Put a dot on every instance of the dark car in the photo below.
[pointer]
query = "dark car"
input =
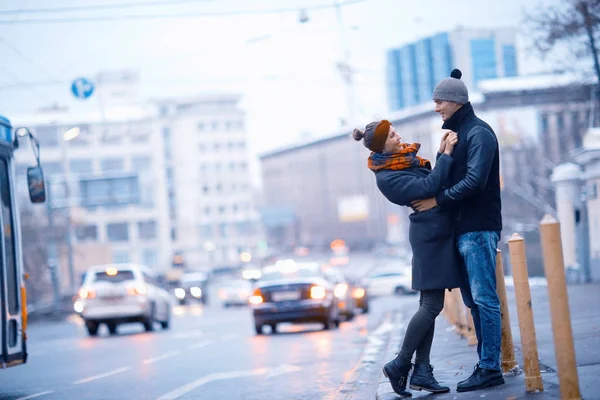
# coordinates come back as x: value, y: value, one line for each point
x: 359, y: 293
x: 297, y: 293
x: 191, y: 286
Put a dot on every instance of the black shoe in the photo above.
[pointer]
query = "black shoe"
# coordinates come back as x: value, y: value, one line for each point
x: 481, y: 378
x: 397, y: 372
x: 422, y: 379
x: 464, y: 380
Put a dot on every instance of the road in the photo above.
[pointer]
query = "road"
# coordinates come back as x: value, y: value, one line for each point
x: 208, y: 353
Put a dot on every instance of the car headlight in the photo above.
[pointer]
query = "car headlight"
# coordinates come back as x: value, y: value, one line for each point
x: 196, y: 291
x: 317, y: 292
x: 340, y: 290
x: 358, y: 293
x: 179, y: 293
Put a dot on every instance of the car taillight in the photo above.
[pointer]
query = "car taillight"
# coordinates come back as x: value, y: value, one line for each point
x: 137, y: 290
x: 358, y: 293
x: 317, y: 292
x: 256, y: 297
x: 86, y: 293
x: 340, y: 290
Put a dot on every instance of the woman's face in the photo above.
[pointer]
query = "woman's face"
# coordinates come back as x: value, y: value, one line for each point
x: 392, y: 143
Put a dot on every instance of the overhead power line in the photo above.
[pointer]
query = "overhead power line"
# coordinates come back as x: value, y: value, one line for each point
x: 97, y: 7
x: 182, y: 15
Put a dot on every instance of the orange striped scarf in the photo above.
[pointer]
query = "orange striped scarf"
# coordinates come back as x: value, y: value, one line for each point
x: 404, y: 159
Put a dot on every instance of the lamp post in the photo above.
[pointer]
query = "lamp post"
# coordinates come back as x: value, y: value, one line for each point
x: 69, y: 135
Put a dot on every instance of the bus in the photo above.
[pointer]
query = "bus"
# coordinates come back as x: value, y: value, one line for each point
x: 13, y: 296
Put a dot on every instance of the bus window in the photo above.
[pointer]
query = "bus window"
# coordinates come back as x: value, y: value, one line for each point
x: 9, y: 240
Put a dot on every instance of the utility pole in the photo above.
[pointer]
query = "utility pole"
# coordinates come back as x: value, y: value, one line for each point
x: 52, y: 252
x: 345, y: 69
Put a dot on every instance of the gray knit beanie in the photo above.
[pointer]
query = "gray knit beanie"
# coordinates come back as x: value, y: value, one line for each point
x: 452, y: 89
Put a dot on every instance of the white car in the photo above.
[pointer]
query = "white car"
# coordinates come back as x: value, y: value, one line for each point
x: 122, y: 293
x: 390, y: 281
x: 235, y: 293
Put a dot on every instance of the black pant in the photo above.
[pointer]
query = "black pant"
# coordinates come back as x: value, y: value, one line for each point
x: 419, y: 333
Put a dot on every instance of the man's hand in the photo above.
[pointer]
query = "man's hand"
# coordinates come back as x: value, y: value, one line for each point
x: 424, y: 205
x: 443, y: 142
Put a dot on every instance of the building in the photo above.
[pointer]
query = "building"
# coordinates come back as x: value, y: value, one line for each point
x: 158, y: 183
x: 414, y: 69
x: 212, y: 210
x: 322, y: 191
x: 539, y: 121
x: 108, y: 181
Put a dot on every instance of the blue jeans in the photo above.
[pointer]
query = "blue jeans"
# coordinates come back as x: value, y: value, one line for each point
x: 478, y: 250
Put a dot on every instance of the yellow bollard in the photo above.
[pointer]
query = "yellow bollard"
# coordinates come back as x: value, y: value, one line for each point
x: 531, y: 366
x: 471, y: 335
x: 508, y: 351
x: 559, y: 308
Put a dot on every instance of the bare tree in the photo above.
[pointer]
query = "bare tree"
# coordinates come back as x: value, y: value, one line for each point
x: 575, y: 23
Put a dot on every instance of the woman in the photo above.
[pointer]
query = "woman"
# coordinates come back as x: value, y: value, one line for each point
x: 403, y: 177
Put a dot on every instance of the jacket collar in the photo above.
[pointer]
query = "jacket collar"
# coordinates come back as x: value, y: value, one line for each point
x: 463, y: 113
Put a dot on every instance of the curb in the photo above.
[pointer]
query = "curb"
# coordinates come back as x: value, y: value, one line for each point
x: 384, y: 389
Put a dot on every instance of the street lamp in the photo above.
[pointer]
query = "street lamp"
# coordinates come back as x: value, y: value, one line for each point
x: 69, y: 135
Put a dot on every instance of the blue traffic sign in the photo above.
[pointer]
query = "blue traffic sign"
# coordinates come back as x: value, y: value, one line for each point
x: 82, y: 88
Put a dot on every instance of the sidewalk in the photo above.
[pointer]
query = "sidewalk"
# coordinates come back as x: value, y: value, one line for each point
x: 453, y: 359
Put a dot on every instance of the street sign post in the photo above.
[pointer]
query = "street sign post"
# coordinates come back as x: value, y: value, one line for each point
x: 82, y: 88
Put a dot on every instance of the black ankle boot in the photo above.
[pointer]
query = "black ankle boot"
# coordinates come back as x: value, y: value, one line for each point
x: 422, y: 379
x: 397, y: 372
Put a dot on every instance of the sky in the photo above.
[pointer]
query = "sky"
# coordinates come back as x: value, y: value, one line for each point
x: 285, y: 70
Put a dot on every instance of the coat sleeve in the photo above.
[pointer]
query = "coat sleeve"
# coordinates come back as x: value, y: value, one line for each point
x: 402, y: 189
x: 482, y: 147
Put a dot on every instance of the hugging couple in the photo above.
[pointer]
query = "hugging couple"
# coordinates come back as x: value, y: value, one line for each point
x: 454, y: 232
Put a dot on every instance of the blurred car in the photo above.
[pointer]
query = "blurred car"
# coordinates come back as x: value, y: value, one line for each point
x: 294, y: 292
x: 390, y: 281
x: 191, y: 286
x: 235, y: 293
x: 360, y: 295
x: 122, y: 293
x: 342, y: 292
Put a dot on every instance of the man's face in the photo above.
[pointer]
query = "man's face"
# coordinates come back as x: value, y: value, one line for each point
x: 446, y: 108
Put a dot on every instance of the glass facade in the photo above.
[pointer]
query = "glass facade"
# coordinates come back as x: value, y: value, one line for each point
x: 483, y: 56
x: 394, y: 77
x: 408, y: 75
x: 509, y: 56
x: 441, y: 53
x: 424, y: 70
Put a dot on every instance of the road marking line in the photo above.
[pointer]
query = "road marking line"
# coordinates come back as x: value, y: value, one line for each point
x: 201, y: 344
x: 33, y: 396
x: 155, y: 359
x: 177, y: 393
x: 95, y: 377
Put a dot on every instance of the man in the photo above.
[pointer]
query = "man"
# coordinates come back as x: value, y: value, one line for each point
x: 474, y: 198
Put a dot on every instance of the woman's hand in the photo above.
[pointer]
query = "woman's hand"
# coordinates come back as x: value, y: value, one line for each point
x: 451, y: 140
x: 443, y: 142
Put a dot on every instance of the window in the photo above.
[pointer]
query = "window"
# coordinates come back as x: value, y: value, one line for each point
x: 223, y: 230
x: 221, y: 209
x: 118, y: 232
x: 147, y: 230
x: 562, y: 135
x: 509, y: 56
x: 206, y: 231
x: 173, y: 234
x: 150, y: 257
x: 202, y: 148
x: 483, y: 55
x: 232, y: 166
x: 47, y: 136
x: 219, y: 188
x: 81, y: 166
x: 217, y: 146
x: 207, y: 210
x: 205, y: 189
x: 577, y: 129
x: 86, y: 232
x: 118, y: 257
x: 230, y: 145
x: 242, y: 145
x: 217, y: 167
x: 12, y: 283
x: 201, y: 126
x: 141, y: 164
x: 111, y: 165
x: 215, y: 126
x: 52, y: 168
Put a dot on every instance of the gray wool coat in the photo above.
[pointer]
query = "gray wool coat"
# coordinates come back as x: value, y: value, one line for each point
x: 436, y: 263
